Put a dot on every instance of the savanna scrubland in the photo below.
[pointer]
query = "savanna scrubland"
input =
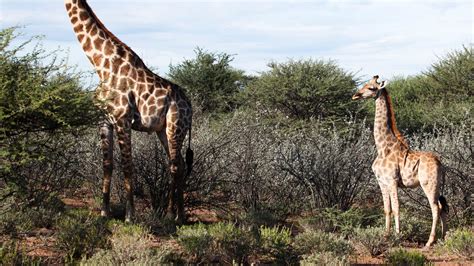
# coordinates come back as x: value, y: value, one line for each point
x: 282, y: 170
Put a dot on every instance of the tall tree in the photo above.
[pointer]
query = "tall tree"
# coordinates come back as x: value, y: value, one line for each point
x: 41, y: 104
x: 210, y: 80
x: 304, y: 89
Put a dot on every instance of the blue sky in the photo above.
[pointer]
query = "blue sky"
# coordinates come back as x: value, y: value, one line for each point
x: 366, y: 37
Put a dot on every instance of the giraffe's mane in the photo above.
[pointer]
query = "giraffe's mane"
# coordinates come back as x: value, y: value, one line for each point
x: 114, y: 38
x: 392, y: 123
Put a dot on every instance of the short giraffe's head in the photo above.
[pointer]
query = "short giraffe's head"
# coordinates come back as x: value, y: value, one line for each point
x: 370, y: 89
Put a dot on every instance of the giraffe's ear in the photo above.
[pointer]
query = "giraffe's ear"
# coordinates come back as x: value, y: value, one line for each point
x: 383, y: 84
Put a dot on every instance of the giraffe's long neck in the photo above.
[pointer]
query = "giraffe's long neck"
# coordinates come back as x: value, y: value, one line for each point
x: 105, y: 51
x: 385, y: 128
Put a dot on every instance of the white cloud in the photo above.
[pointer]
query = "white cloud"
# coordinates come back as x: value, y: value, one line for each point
x: 386, y: 37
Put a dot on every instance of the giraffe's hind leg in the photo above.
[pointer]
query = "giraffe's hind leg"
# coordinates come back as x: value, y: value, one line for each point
x: 107, y: 146
x: 432, y: 194
x: 175, y: 207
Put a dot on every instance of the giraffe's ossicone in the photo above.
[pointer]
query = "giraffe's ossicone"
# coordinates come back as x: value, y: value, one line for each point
x: 397, y: 165
x: 134, y: 98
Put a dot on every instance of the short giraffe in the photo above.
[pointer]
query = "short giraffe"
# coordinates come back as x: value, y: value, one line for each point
x: 134, y: 98
x: 397, y: 165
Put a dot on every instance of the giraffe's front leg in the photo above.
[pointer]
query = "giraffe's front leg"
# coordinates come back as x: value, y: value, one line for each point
x: 107, y: 145
x: 386, y: 206
x: 395, y: 205
x: 125, y: 143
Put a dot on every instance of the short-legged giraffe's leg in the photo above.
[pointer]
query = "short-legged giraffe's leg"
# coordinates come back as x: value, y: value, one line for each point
x: 432, y: 196
x: 107, y: 145
x: 125, y: 143
x: 395, y: 205
x: 386, y: 206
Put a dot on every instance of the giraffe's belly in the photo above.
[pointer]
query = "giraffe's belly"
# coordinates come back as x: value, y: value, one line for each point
x: 148, y: 123
x: 410, y: 181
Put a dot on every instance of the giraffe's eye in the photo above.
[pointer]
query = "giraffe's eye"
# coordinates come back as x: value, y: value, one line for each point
x: 372, y: 88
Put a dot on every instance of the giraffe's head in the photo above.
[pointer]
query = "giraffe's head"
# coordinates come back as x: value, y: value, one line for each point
x: 370, y: 89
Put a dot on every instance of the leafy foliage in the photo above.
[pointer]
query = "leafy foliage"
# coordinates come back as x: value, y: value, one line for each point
x: 223, y: 240
x: 195, y: 239
x: 304, y: 89
x: 42, y: 109
x: 313, y: 241
x: 404, y: 257
x: 37, y: 97
x: 12, y: 253
x: 130, y: 245
x: 16, y: 219
x: 334, y: 220
x: 459, y: 242
x: 325, y: 258
x: 276, y: 241
x: 210, y: 80
x: 374, y: 240
x: 231, y: 242
x: 80, y: 233
x: 440, y: 96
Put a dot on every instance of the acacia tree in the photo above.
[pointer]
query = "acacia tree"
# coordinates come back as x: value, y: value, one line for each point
x: 42, y: 107
x: 304, y: 89
x: 210, y: 81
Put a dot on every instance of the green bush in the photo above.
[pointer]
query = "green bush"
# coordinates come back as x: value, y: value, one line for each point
x: 157, y: 223
x: 231, y: 242
x: 130, y: 245
x: 440, y: 96
x: 17, y: 218
x: 338, y: 221
x: 374, y: 240
x: 459, y: 242
x: 222, y: 241
x: 81, y: 232
x: 405, y: 257
x: 304, y: 89
x: 311, y: 241
x: 195, y: 239
x: 211, y: 82
x: 276, y: 241
x: 413, y: 228
x: 12, y: 253
x: 325, y: 258
x: 43, y: 109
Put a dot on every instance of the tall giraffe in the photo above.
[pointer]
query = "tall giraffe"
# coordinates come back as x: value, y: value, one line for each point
x: 397, y: 165
x: 134, y: 98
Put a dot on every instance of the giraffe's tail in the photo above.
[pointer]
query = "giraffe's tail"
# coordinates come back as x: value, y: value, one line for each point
x: 189, y: 155
x: 443, y: 204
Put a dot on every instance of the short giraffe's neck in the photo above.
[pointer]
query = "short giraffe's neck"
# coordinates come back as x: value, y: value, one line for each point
x: 385, y: 127
x: 106, y: 52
